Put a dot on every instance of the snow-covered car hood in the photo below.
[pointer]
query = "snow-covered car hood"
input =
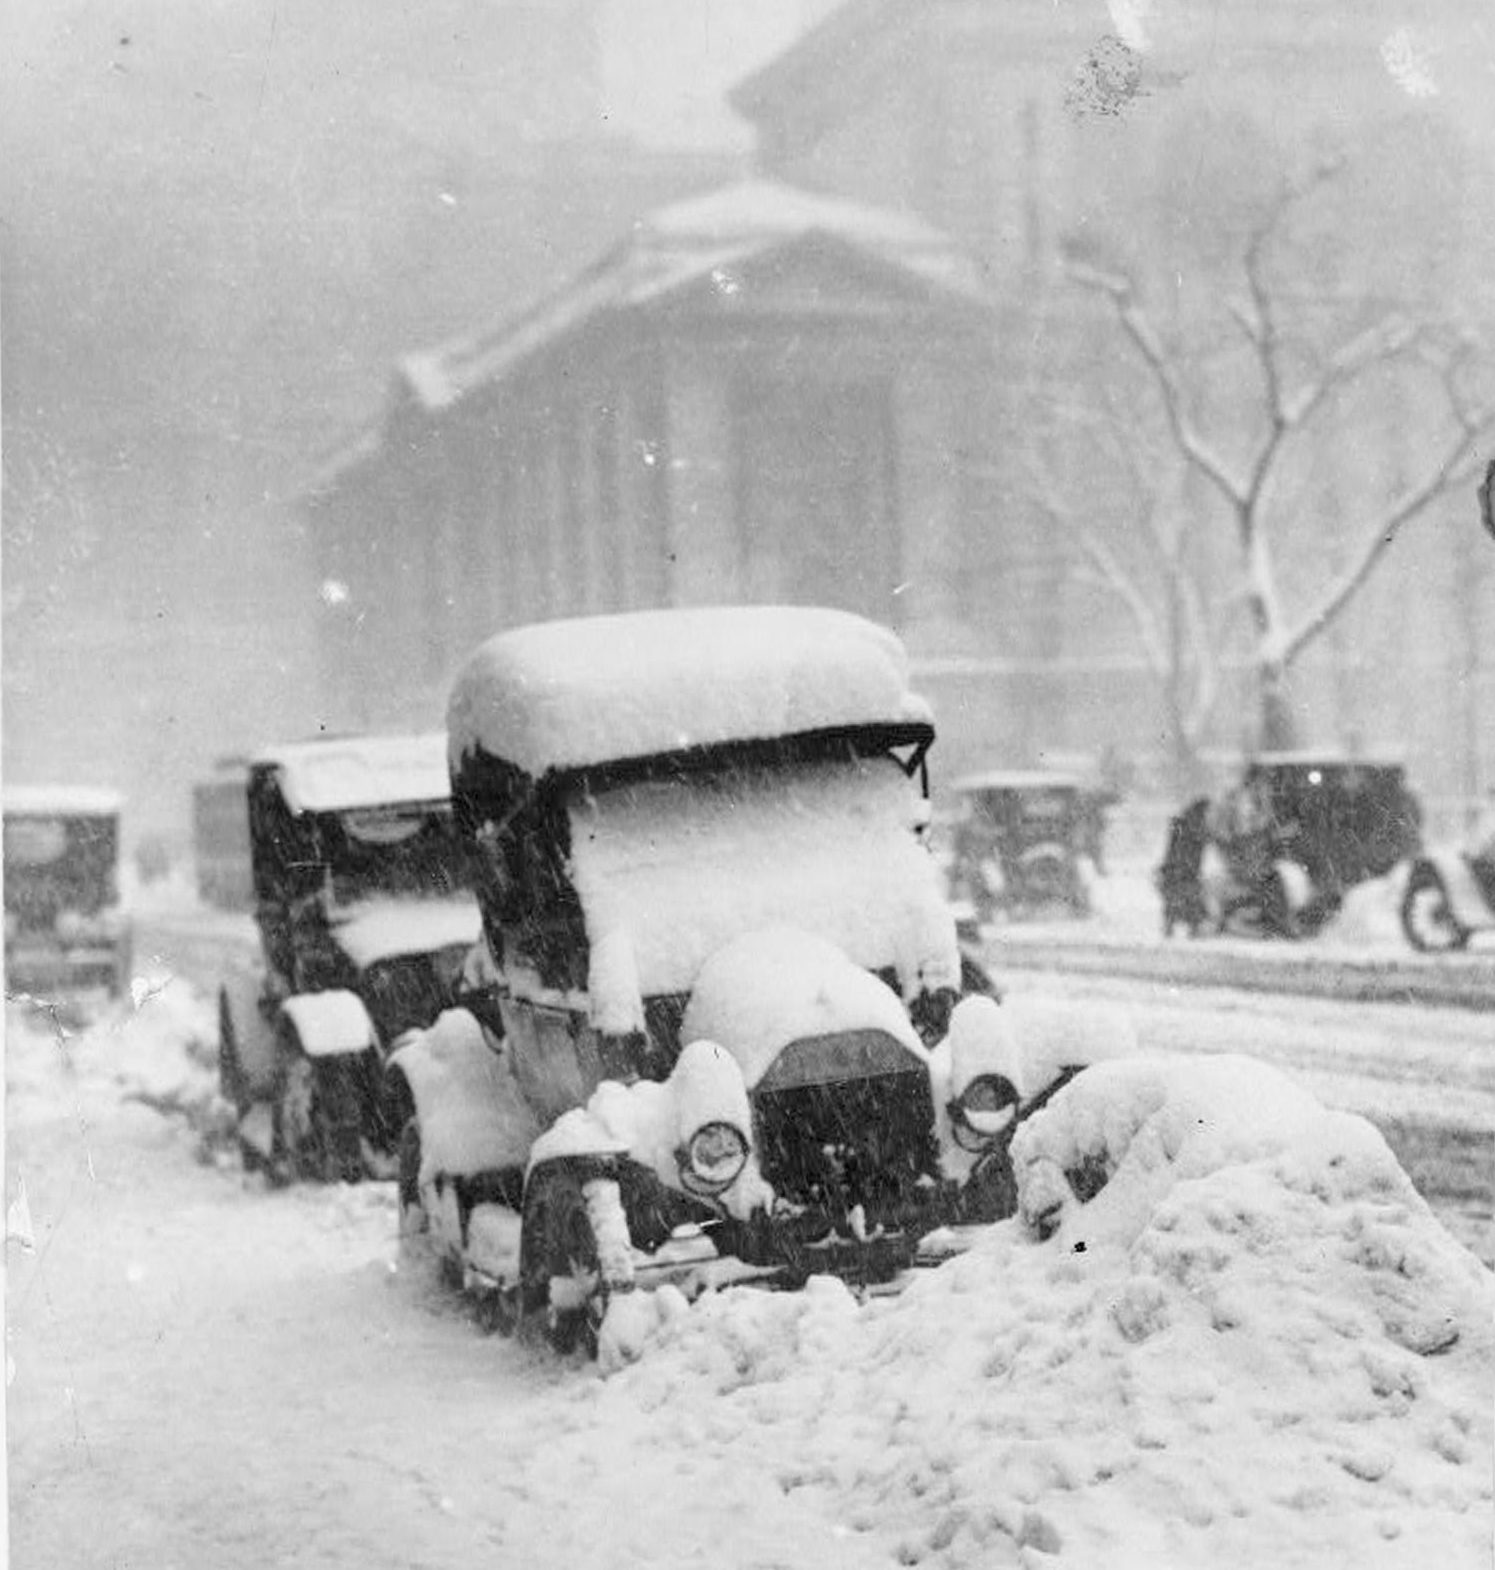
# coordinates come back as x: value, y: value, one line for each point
x: 382, y: 929
x: 768, y: 989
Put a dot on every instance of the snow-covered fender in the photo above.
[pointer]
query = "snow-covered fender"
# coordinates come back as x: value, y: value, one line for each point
x: 330, y: 1024
x: 241, y: 1011
x: 472, y: 1118
x: 1018, y: 1053
x: 1465, y: 897
x: 692, y: 1131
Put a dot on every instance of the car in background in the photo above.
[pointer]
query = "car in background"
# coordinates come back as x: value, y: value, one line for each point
x: 1450, y: 895
x: 365, y: 916
x: 1018, y: 843
x: 64, y: 928
x: 716, y: 1033
x: 1286, y: 843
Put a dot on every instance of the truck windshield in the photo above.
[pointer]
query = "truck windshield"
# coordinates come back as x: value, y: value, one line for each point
x: 57, y: 863
x: 394, y: 850
x: 676, y: 866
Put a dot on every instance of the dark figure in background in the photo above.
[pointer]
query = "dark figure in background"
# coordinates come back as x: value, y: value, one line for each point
x: 1179, y: 878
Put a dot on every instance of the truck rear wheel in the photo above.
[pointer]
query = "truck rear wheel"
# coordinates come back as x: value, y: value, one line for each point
x: 318, y: 1116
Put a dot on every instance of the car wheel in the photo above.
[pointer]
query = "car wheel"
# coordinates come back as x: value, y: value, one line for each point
x: 1427, y: 915
x: 561, y: 1279
x: 414, y: 1223
x: 230, y: 1068
x: 318, y: 1118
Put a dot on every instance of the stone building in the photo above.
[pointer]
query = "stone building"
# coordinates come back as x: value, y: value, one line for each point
x: 757, y: 396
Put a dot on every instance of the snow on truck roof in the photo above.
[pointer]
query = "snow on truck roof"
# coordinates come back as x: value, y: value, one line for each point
x: 565, y: 694
x: 61, y: 801
x: 351, y: 772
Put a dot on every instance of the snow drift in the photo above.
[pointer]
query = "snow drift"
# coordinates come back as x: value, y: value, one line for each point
x: 1254, y: 1345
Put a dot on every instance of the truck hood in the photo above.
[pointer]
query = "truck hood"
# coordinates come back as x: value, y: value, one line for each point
x: 383, y: 929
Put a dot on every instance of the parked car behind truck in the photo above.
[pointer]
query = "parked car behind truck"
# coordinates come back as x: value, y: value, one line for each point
x: 64, y: 928
x: 715, y: 1034
x: 365, y: 917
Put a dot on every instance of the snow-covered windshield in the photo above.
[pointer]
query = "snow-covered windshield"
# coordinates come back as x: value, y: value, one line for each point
x: 670, y: 869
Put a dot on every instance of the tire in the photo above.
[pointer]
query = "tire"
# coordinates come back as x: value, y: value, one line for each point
x: 559, y: 1245
x: 413, y: 1220
x: 230, y: 1069
x: 317, y: 1117
x: 1427, y: 915
x: 975, y: 981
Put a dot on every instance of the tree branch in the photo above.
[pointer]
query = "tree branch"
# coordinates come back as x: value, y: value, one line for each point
x: 1138, y: 327
x: 1456, y: 465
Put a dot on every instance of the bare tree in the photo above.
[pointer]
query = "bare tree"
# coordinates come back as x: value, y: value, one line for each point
x: 1131, y: 542
x: 1297, y: 376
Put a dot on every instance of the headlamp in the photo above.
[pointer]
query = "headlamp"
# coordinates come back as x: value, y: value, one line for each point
x: 983, y: 1112
x: 713, y: 1158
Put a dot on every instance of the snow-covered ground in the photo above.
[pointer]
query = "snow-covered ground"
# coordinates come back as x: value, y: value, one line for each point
x: 1256, y: 1346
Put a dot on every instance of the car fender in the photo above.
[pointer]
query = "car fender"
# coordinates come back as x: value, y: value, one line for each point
x: 241, y: 998
x: 330, y: 1024
x: 472, y: 1117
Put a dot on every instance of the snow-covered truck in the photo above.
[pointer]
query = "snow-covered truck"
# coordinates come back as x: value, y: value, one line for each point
x: 366, y: 916
x: 715, y: 1035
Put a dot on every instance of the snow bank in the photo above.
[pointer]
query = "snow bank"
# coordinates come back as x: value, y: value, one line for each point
x: 158, y: 1048
x: 1255, y: 1346
x: 563, y: 694
x: 678, y: 873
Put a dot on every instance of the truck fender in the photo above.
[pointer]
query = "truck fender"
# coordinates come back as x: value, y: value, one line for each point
x: 330, y: 1024
x: 242, y: 1014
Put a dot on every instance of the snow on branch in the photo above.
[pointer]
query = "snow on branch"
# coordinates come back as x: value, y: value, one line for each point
x: 1456, y: 463
x: 1134, y: 321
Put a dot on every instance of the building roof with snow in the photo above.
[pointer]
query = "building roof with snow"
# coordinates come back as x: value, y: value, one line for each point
x: 708, y: 243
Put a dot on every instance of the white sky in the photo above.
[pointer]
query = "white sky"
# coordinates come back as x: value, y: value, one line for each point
x: 667, y: 66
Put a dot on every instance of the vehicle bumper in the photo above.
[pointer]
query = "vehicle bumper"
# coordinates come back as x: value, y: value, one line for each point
x: 42, y: 967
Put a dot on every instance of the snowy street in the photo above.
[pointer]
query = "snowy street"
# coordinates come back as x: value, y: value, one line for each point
x: 205, y: 1371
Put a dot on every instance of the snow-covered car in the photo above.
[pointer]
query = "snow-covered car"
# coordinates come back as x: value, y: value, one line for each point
x: 366, y: 917
x: 715, y: 1038
x: 64, y: 928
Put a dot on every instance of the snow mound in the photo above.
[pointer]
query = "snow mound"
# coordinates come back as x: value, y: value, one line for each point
x: 1254, y: 1345
x: 158, y: 1048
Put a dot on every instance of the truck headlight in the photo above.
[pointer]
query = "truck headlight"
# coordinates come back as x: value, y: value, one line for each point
x: 984, y: 1111
x: 713, y: 1158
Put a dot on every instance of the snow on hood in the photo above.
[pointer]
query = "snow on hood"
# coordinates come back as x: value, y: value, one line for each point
x: 383, y: 929
x: 767, y: 989
x: 677, y: 873
x: 564, y: 694
x: 1267, y: 1351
